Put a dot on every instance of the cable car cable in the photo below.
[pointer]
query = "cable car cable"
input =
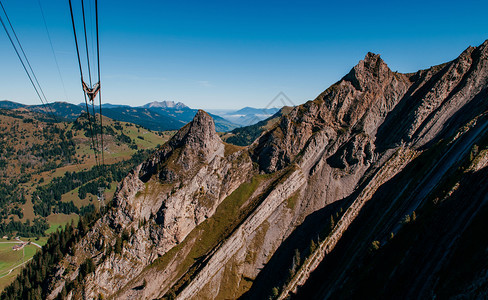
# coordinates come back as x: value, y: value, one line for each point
x: 38, y: 87
x: 99, y: 80
x: 52, y: 50
x: 82, y: 82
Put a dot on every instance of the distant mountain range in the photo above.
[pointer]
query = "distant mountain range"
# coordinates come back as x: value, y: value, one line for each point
x: 244, y: 136
x: 165, y: 115
x: 246, y: 116
x: 165, y: 104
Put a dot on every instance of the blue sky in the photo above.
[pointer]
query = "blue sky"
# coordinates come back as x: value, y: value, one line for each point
x: 231, y: 54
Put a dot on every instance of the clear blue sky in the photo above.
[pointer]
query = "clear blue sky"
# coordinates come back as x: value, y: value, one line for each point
x: 231, y: 54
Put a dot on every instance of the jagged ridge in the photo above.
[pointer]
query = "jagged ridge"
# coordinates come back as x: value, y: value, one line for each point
x: 326, y: 154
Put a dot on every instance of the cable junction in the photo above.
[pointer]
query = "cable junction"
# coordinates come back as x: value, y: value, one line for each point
x: 90, y: 90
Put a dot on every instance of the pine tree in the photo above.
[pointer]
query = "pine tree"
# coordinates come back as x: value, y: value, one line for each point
x: 296, y: 259
x: 81, y: 227
x: 125, y: 235
x: 118, y: 245
x: 312, y: 247
x: 275, y: 292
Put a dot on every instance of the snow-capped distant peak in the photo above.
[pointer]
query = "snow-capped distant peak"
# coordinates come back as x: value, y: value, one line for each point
x: 165, y: 104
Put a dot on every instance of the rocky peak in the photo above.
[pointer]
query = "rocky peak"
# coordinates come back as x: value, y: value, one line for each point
x: 197, y: 140
x: 371, y: 59
x: 478, y: 54
x: 201, y: 135
x: 356, y: 104
x: 372, y: 67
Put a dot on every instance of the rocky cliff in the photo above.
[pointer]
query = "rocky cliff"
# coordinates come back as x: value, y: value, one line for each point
x: 203, y: 219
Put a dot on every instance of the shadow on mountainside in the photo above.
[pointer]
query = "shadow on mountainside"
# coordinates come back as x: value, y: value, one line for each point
x: 276, y: 271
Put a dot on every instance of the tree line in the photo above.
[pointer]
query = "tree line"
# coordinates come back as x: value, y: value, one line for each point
x: 34, y: 279
x: 37, y: 228
x: 47, y: 198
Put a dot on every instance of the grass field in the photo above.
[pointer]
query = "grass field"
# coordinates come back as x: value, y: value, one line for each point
x: 7, y: 279
x: 58, y: 221
x: 41, y: 241
x: 10, y: 259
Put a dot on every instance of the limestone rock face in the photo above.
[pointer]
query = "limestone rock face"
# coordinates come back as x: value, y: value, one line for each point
x: 197, y: 142
x: 169, y: 206
x: 440, y: 99
x: 356, y: 104
x: 213, y: 220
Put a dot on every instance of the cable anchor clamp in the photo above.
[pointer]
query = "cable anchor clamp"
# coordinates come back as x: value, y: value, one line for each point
x: 91, y: 92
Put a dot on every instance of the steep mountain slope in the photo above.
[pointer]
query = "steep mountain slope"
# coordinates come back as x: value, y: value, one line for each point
x: 419, y: 241
x: 327, y: 188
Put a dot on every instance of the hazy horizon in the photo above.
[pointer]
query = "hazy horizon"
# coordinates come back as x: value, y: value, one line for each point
x: 211, y: 110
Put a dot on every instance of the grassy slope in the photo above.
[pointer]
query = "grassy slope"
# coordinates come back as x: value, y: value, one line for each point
x: 23, y: 135
x: 58, y: 221
x: 10, y: 259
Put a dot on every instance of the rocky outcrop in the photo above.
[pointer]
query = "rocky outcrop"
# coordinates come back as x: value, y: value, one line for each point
x: 385, y: 173
x: 425, y: 224
x: 440, y: 100
x: 195, y: 143
x: 212, y: 220
x: 161, y: 211
x: 356, y: 104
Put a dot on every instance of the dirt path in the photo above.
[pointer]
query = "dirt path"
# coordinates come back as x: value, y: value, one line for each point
x: 19, y: 265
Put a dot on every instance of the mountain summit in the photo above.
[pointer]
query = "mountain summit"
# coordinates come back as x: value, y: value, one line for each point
x: 165, y: 104
x: 376, y: 187
x: 196, y: 142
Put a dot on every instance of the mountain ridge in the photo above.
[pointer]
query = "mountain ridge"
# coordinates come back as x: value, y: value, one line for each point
x: 311, y: 202
x: 157, y: 117
x: 248, y: 116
